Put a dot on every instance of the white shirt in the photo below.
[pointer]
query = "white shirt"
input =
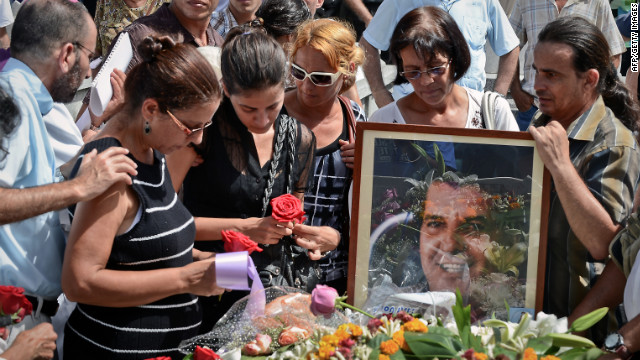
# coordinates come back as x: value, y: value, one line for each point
x: 64, y: 135
x: 6, y: 16
x: 632, y: 291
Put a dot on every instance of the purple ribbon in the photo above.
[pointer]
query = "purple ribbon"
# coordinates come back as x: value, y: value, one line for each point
x: 233, y: 271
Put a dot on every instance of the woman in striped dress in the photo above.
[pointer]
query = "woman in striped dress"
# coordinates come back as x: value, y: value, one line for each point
x: 130, y: 262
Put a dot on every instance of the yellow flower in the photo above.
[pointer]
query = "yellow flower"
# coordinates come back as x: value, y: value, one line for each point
x: 330, y: 340
x: 325, y: 352
x: 415, y: 325
x: 355, y: 330
x: 398, y: 337
x: 550, y: 357
x: 481, y: 356
x: 342, y: 334
x: 389, y: 347
x: 529, y: 354
x: 383, y: 357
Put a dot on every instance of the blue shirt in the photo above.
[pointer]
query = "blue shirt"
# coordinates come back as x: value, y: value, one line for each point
x: 31, y: 250
x: 479, y: 21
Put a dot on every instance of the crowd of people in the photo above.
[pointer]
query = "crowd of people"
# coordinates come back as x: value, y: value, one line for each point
x: 224, y: 107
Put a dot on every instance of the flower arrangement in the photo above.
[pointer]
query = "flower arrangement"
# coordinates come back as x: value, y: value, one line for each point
x: 402, y: 336
x: 14, y: 306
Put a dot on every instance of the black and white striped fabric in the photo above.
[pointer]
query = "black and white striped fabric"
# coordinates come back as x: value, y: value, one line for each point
x: 162, y: 238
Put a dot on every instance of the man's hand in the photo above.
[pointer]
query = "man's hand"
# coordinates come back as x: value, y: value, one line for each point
x: 99, y: 171
x: 316, y: 239
x: 36, y: 343
x: 522, y: 99
x: 553, y: 145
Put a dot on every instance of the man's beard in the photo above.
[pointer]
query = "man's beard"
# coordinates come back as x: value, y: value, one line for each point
x: 65, y: 87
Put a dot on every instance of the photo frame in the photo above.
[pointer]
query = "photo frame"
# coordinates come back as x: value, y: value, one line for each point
x: 438, y: 209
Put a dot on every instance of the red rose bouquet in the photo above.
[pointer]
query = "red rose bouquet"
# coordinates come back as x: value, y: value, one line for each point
x: 14, y: 306
x: 235, y: 241
x: 287, y: 208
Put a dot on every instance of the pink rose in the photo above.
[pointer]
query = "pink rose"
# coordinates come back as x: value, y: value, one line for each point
x: 323, y: 300
x: 159, y: 358
x: 204, y: 353
x: 259, y: 346
x: 287, y: 208
x: 292, y: 334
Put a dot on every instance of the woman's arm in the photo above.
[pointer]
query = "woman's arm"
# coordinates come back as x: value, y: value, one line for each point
x: 85, y: 278
x: 261, y: 230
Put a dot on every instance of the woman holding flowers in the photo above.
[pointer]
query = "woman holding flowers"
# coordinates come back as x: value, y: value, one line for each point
x: 253, y: 153
x: 129, y: 261
x: 324, y: 59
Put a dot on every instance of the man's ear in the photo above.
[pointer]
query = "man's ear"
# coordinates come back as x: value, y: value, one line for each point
x: 592, y: 76
x: 150, y: 109
x: 67, y: 57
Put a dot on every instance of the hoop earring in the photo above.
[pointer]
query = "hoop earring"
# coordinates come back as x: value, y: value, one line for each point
x: 147, y: 128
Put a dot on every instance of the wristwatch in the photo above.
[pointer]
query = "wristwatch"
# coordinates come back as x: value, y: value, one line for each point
x: 615, y: 343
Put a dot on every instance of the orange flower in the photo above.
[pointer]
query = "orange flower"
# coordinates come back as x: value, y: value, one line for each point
x: 514, y: 205
x: 481, y: 356
x: 398, y: 337
x: 529, y: 354
x: 329, y: 340
x: 383, y: 357
x: 342, y: 334
x: 355, y: 330
x: 389, y: 347
x: 415, y: 325
x: 550, y: 357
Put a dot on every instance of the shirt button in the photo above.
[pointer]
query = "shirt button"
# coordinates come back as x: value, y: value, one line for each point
x: 258, y: 181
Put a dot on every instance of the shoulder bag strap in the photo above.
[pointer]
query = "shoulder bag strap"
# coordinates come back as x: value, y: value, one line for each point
x: 351, y: 117
x: 488, y: 107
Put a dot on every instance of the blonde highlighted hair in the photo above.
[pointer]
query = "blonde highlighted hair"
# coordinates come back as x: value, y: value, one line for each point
x: 336, y: 40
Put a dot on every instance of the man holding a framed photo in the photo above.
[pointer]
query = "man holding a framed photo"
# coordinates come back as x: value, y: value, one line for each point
x: 584, y: 133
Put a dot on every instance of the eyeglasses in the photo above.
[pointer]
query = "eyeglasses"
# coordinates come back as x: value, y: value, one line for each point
x: 91, y: 55
x: 185, y: 129
x: 316, y: 77
x: 432, y: 72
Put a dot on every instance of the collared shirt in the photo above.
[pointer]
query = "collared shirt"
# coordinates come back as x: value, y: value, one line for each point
x: 479, y: 21
x: 223, y: 21
x: 31, y: 250
x: 64, y: 136
x: 607, y: 157
x: 162, y: 22
x: 529, y: 17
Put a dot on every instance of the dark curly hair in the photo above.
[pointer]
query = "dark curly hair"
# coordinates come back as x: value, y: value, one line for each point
x: 9, y: 116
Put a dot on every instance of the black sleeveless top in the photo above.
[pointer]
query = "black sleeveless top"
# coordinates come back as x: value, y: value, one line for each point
x: 162, y: 238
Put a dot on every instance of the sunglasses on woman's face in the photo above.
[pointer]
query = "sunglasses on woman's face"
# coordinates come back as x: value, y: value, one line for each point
x: 317, y: 78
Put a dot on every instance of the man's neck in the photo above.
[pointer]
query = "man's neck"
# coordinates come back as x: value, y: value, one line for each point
x: 241, y: 18
x: 197, y: 28
x: 570, y: 119
x: 560, y: 4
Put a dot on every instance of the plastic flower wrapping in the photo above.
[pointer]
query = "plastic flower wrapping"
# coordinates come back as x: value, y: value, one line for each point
x: 290, y: 330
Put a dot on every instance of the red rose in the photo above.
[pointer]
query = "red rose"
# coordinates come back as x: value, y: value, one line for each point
x: 204, y: 353
x: 12, y: 299
x: 287, y: 208
x: 235, y: 241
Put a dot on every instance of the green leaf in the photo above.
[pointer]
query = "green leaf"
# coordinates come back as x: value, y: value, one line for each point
x: 188, y: 357
x: 586, y: 321
x: 432, y: 345
x: 570, y: 340
x: 581, y: 354
x: 499, y: 350
x: 439, y: 159
x: 462, y: 316
x: 540, y: 345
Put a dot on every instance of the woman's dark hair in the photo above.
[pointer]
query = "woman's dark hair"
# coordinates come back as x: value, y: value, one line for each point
x: 9, y: 116
x: 251, y: 60
x: 591, y: 51
x: 282, y: 17
x: 429, y: 31
x: 176, y: 75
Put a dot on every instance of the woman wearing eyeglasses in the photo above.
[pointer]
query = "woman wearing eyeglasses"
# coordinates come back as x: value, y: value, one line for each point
x: 251, y: 154
x: 129, y: 261
x: 431, y: 53
x: 324, y: 59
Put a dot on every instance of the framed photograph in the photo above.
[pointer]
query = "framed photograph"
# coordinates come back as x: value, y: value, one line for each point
x: 439, y: 209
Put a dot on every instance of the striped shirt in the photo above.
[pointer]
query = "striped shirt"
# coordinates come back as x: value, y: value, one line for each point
x: 162, y: 238
x: 223, y: 21
x: 606, y: 155
x: 529, y: 17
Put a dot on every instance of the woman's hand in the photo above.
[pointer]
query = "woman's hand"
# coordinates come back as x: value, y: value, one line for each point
x: 200, y: 277
x: 267, y: 230
x: 316, y: 239
x: 348, y: 153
